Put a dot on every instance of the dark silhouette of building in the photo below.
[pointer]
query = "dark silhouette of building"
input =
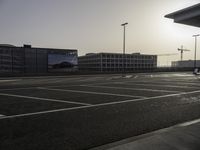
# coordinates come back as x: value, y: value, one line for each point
x: 29, y: 59
x: 188, y: 16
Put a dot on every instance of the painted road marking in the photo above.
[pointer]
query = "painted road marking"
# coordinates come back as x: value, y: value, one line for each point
x: 17, y: 88
x: 138, y: 89
x: 153, y: 85
x: 34, y: 87
x: 89, y: 92
x: 190, y: 123
x: 143, y: 84
x: 164, y: 85
x: 169, y: 82
x: 1, y: 115
x: 9, y: 80
x: 97, y: 105
x: 44, y: 99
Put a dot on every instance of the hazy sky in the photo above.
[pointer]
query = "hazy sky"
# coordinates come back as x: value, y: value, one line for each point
x: 94, y: 25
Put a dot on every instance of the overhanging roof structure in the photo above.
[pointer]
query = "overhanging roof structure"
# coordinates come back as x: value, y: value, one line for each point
x: 189, y: 16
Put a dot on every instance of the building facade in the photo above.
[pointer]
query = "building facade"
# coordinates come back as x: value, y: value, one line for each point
x: 185, y: 64
x: 114, y: 62
x: 28, y: 59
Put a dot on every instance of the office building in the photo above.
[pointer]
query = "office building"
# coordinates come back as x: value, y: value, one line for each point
x: 185, y: 64
x: 114, y: 62
x: 29, y: 59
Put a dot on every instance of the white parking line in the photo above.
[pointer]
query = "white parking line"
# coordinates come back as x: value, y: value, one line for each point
x: 91, y: 79
x: 143, y: 84
x: 89, y: 92
x: 155, y: 85
x: 17, y: 88
x: 168, y: 82
x: 152, y: 85
x: 190, y: 122
x: 96, y: 105
x: 137, y: 89
x: 35, y: 87
x: 44, y: 99
x: 9, y: 80
x: 1, y: 115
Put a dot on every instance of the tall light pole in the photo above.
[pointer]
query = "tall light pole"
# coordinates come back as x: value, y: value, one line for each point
x: 195, y: 51
x: 124, y: 25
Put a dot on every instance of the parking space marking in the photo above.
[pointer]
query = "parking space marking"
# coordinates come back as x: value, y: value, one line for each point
x: 97, y: 105
x: 132, y: 83
x: 34, y: 87
x: 190, y: 123
x: 44, y: 99
x: 137, y: 89
x: 90, y: 92
x: 11, y: 80
x: 91, y: 79
x: 155, y: 85
x: 17, y: 88
x: 1, y: 115
x: 168, y: 82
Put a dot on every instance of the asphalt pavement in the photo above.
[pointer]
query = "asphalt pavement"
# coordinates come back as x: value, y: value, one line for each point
x: 83, y: 112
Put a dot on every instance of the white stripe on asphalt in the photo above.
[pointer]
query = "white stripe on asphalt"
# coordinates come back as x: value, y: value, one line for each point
x: 44, y: 99
x: 143, y: 84
x: 90, y: 92
x: 168, y: 82
x: 17, y: 88
x: 96, y: 105
x: 1, y: 115
x: 138, y: 89
x: 190, y: 123
x: 157, y: 85
x: 9, y: 80
x: 34, y: 87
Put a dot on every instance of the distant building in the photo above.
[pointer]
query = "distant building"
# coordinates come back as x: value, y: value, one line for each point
x: 185, y: 64
x: 29, y: 59
x: 188, y: 16
x: 113, y: 62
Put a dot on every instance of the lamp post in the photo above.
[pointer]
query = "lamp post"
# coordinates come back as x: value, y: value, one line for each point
x: 124, y: 25
x: 195, y: 52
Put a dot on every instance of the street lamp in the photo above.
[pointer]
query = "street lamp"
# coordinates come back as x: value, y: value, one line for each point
x: 195, y: 52
x: 124, y: 25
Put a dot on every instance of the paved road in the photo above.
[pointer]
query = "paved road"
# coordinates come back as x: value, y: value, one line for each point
x: 88, y: 111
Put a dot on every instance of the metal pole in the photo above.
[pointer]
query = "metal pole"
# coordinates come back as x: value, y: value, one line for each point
x: 123, y: 61
x: 124, y: 50
x: 195, y: 51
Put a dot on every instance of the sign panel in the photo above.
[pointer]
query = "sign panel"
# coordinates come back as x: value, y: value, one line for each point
x: 62, y: 61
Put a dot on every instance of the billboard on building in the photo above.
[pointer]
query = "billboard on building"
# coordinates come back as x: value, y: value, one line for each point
x: 63, y: 61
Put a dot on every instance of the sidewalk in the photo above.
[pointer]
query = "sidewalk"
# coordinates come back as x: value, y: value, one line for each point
x: 185, y: 136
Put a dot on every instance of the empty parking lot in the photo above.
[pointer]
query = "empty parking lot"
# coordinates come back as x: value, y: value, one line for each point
x: 82, y: 112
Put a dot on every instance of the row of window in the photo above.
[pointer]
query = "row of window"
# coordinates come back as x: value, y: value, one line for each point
x: 118, y: 57
x: 117, y: 63
x: 116, y: 66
